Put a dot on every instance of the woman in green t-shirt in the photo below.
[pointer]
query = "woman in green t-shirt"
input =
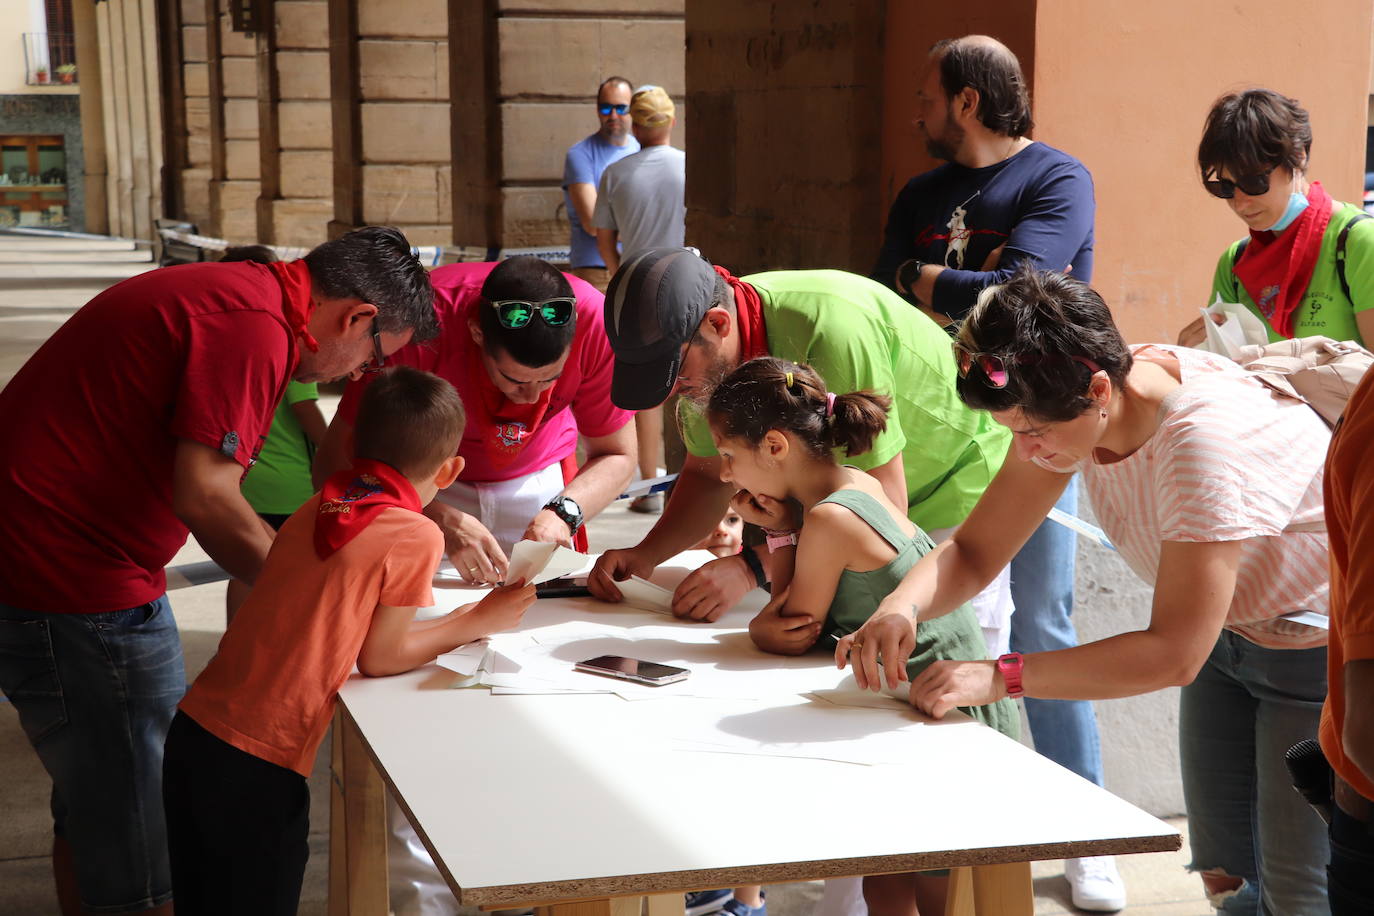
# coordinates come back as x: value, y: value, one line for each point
x: 1307, y: 266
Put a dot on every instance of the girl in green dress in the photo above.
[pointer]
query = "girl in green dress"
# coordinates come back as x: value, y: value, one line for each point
x: 839, y: 542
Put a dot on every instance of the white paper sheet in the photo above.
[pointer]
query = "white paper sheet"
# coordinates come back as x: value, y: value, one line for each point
x: 536, y: 562
x: 1239, y: 327
x: 645, y: 595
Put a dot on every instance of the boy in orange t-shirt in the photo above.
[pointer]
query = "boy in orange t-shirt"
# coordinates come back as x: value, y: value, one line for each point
x: 340, y: 587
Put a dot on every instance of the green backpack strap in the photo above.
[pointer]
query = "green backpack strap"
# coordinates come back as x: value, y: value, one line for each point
x: 1340, y: 253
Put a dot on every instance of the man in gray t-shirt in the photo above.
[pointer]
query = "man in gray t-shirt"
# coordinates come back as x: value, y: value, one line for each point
x: 639, y: 201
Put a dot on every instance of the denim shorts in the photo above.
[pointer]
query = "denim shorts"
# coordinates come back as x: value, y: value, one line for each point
x: 95, y: 694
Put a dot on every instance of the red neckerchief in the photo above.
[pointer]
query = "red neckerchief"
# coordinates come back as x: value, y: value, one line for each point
x: 1275, y: 269
x: 351, y: 499
x: 506, y: 427
x: 296, y: 287
x: 753, y: 336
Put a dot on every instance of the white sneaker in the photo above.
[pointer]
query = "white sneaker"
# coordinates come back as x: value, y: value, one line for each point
x: 1096, y: 884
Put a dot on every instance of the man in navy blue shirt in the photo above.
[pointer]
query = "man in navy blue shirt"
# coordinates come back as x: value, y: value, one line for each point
x: 998, y: 200
x: 582, y: 168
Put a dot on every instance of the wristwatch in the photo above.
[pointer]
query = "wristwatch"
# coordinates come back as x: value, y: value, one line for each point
x: 1011, y: 665
x: 566, y: 508
x: 908, y: 273
x: 776, y: 540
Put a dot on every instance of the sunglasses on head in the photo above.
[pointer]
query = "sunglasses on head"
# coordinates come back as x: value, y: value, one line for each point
x: 604, y: 110
x: 515, y: 314
x: 1225, y: 188
x: 997, y: 369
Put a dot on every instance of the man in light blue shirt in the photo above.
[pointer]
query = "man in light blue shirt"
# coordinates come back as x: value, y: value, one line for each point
x: 582, y: 169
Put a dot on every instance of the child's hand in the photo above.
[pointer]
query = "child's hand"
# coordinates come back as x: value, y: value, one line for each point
x: 772, y: 631
x: 504, y: 607
x: 765, y: 511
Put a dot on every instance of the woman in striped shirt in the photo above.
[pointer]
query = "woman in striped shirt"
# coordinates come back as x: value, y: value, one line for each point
x: 1209, y: 485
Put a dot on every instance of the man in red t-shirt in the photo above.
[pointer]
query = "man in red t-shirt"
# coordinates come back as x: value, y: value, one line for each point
x: 130, y: 427
x: 526, y: 348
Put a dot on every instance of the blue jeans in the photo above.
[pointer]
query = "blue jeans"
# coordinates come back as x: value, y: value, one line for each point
x: 1246, y: 707
x: 1042, y: 572
x: 1351, y: 872
x: 95, y: 694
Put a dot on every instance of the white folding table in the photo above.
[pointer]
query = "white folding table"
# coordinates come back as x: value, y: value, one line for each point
x: 585, y: 803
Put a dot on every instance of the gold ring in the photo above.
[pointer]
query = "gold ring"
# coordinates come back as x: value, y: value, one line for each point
x: 856, y: 644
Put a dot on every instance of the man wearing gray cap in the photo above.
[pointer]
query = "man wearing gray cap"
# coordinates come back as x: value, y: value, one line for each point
x: 677, y: 324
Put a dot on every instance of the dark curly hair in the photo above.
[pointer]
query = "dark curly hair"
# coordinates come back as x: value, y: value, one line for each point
x: 1045, y: 327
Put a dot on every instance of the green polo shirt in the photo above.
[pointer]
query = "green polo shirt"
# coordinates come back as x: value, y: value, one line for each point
x: 279, y: 482
x: 859, y: 335
x: 1323, y: 310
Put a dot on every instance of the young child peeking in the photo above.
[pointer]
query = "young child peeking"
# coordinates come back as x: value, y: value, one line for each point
x: 777, y: 431
x: 339, y: 588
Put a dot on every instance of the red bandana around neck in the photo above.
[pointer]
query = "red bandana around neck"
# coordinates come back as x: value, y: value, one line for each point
x: 506, y: 427
x: 296, y: 287
x: 1276, y: 268
x: 351, y: 499
x: 753, y: 336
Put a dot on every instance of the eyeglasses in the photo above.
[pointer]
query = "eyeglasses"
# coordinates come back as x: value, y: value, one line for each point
x: 604, y: 110
x: 996, y: 369
x: 1225, y: 188
x: 515, y: 314
x: 378, y: 361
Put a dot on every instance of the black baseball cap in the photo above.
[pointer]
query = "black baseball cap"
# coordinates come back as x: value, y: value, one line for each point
x: 653, y: 306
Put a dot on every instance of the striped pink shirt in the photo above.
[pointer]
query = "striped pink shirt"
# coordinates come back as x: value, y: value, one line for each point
x: 1230, y: 461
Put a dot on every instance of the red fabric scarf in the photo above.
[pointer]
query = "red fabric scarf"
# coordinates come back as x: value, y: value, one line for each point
x: 296, y: 287
x: 1276, y: 268
x: 753, y: 335
x: 506, y: 426
x: 351, y: 499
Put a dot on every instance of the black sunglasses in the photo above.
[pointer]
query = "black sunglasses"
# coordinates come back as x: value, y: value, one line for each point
x: 378, y: 361
x: 1225, y: 188
x: 604, y: 110
x: 515, y: 314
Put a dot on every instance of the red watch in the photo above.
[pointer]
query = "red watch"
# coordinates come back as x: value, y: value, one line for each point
x: 1010, y: 666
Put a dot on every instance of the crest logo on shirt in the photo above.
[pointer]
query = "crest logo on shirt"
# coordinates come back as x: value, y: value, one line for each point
x: 1268, y: 296
x: 511, y: 434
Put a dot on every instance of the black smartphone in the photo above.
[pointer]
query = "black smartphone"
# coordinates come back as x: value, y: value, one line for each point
x: 566, y: 587
x: 633, y: 669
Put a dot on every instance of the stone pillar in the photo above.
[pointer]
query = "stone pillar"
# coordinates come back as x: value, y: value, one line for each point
x: 297, y: 194
x: 233, y: 110
x: 97, y: 217
x: 131, y: 112
x: 785, y: 134
x: 195, y: 80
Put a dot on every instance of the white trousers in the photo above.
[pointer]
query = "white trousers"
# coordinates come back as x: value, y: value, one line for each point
x: 505, y: 508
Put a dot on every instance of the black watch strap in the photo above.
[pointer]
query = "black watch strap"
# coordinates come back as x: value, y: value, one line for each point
x: 751, y: 559
x: 573, y: 521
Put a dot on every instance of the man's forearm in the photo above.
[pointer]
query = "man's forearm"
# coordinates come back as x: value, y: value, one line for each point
x: 606, y: 241
x: 600, y: 481
x: 233, y: 535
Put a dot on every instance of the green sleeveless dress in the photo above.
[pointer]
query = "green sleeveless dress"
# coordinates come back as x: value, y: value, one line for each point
x: 955, y: 636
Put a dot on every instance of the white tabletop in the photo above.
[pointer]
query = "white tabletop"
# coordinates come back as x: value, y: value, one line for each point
x: 554, y: 797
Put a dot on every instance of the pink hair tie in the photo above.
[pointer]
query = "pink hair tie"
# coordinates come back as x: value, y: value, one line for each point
x: 830, y: 404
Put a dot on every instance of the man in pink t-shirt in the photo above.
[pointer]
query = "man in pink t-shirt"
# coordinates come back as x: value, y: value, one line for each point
x: 525, y: 347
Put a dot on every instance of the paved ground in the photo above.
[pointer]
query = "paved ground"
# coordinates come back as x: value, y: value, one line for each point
x: 42, y: 281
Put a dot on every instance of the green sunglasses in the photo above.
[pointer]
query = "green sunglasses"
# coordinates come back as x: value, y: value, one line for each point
x: 517, y: 313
